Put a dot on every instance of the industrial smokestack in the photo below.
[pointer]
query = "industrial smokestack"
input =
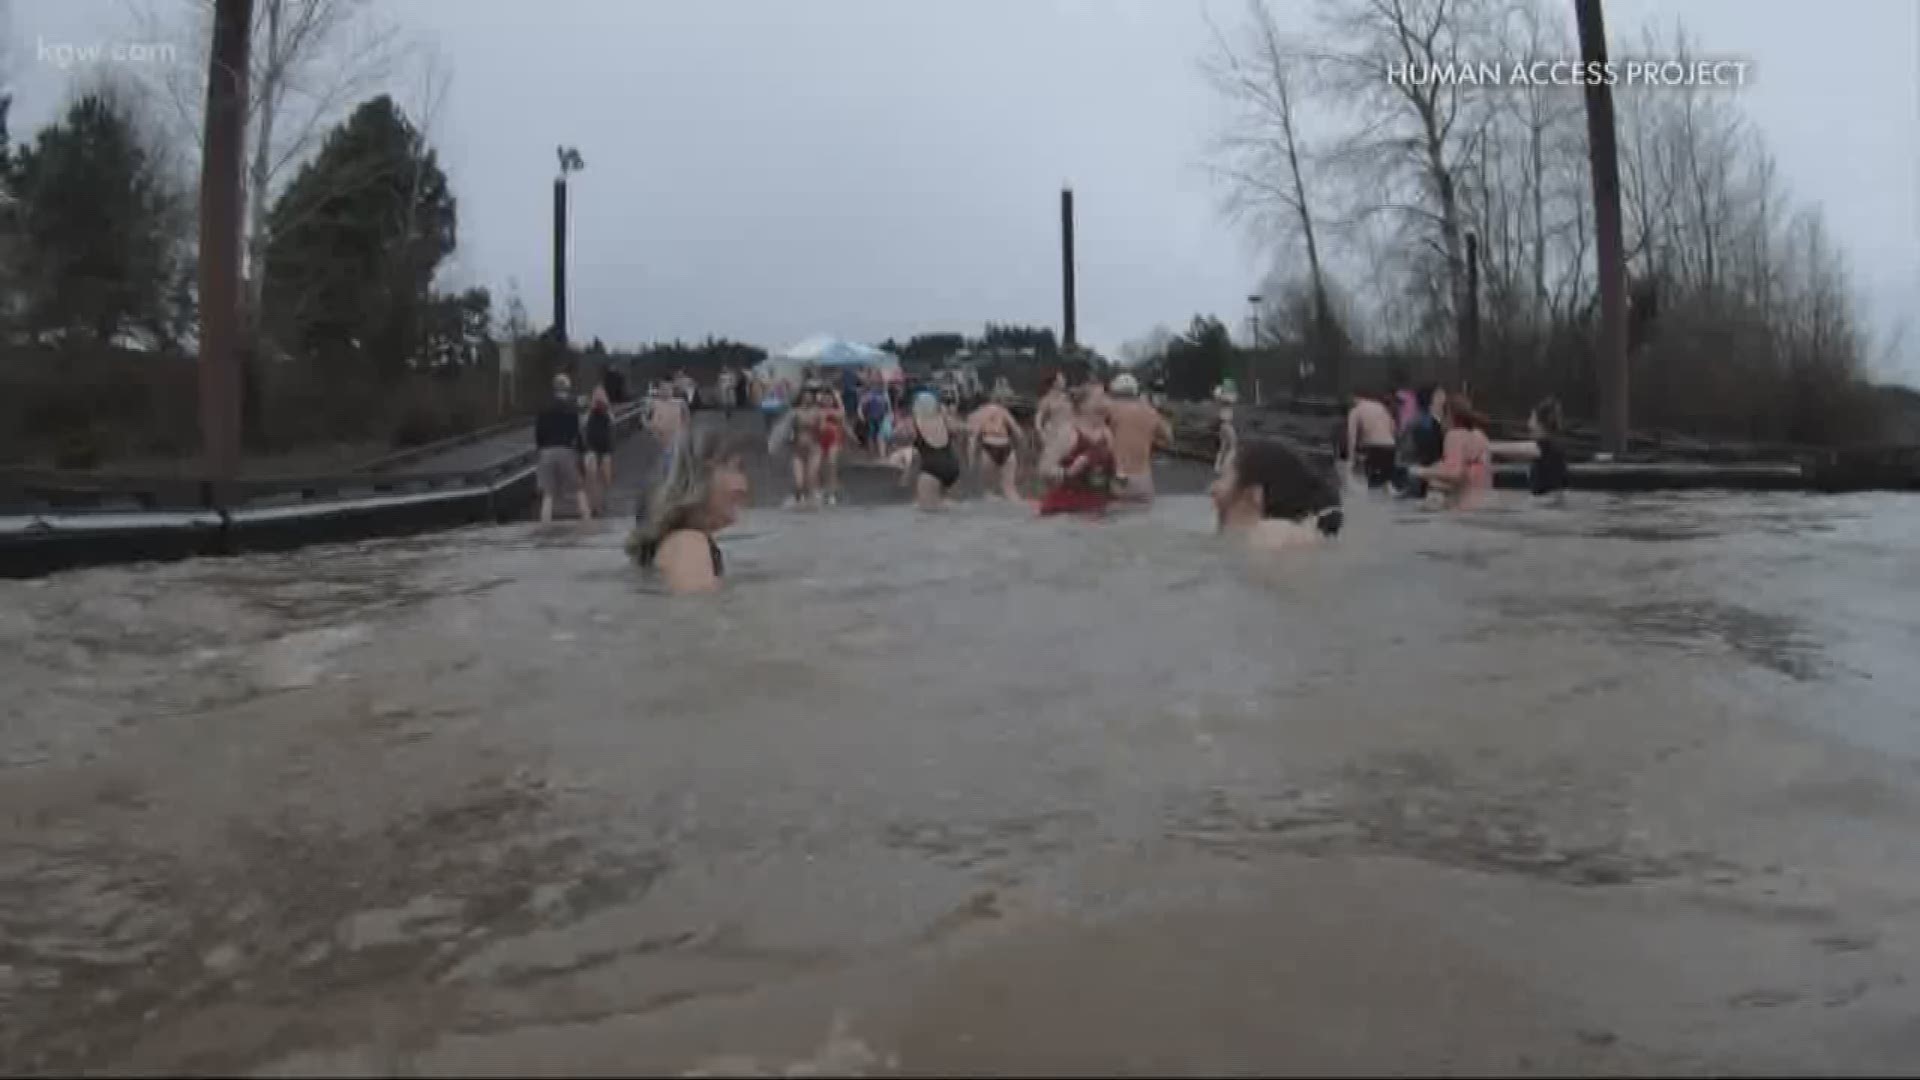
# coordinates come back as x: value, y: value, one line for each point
x: 1068, y: 340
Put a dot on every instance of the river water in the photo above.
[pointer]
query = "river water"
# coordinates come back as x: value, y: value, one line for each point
x: 1625, y: 785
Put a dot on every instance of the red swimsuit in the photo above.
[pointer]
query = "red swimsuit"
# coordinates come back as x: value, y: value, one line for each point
x: 1089, y: 492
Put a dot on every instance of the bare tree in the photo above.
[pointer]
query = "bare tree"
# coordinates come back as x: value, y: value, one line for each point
x: 1262, y: 155
x: 1412, y: 137
x: 311, y: 61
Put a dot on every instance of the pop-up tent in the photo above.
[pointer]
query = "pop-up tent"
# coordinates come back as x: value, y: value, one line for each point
x: 824, y: 351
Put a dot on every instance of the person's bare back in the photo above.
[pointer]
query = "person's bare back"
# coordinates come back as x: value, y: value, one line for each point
x: 666, y: 418
x: 1137, y: 426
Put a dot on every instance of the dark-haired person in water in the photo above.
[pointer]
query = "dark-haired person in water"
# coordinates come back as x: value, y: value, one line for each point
x: 1547, y: 469
x: 1272, y: 500
x: 705, y: 488
x: 1079, y: 459
x: 994, y: 432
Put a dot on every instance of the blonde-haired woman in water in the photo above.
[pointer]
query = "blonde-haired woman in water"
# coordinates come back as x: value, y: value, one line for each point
x: 705, y: 488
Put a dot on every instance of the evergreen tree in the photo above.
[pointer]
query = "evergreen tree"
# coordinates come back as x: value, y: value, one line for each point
x: 101, y: 227
x: 355, y: 241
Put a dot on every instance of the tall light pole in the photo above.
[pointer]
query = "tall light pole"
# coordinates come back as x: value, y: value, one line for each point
x: 1604, y: 164
x: 570, y: 162
x: 220, y: 210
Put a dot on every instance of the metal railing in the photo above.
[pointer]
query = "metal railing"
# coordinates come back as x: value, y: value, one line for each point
x: 52, y: 520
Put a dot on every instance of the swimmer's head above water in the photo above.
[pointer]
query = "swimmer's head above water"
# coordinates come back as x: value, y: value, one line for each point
x: 705, y: 487
x: 1264, y: 481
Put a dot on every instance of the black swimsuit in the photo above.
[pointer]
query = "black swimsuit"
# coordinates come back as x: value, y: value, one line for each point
x: 599, y: 433
x: 650, y: 549
x: 939, y: 462
x: 1549, y: 472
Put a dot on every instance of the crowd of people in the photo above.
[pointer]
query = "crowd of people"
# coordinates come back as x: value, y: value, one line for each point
x: 1089, y: 447
x: 1427, y: 444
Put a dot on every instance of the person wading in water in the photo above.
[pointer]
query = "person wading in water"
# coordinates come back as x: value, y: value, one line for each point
x: 1370, y: 440
x: 1137, y: 427
x: 936, y: 461
x: 993, y: 431
x: 1547, y: 471
x: 1054, y: 409
x: 704, y: 490
x: 1272, y: 500
x: 1079, y: 460
x: 1465, y: 471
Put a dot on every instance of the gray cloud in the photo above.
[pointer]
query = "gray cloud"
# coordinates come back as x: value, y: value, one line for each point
x: 767, y: 169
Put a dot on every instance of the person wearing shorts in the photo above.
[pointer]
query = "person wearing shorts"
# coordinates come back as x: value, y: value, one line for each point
x: 558, y: 437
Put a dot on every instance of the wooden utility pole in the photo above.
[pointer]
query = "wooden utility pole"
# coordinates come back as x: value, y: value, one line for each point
x: 1604, y: 161
x: 221, y: 204
x: 1068, y: 338
x: 560, y: 258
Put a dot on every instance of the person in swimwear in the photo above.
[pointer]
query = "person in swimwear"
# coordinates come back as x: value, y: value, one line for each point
x: 1272, y: 500
x: 702, y: 495
x: 1223, y: 430
x: 1547, y: 468
x: 935, y: 463
x: 598, y: 432
x: 834, y: 434
x: 1079, y: 460
x: 1370, y: 448
x: 993, y: 432
x: 1465, y: 471
x: 1138, y: 428
x: 1054, y: 409
x: 805, y: 445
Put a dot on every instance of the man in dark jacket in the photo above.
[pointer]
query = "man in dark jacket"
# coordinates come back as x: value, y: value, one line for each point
x: 558, y: 437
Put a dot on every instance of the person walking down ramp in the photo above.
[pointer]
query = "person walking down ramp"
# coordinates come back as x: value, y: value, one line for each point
x: 558, y: 437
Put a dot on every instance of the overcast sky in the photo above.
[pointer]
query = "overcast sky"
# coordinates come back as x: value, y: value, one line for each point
x: 768, y: 169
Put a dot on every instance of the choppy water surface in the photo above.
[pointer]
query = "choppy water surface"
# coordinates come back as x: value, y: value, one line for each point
x: 1628, y: 784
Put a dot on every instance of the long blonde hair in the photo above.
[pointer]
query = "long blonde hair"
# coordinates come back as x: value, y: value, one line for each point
x: 680, y: 501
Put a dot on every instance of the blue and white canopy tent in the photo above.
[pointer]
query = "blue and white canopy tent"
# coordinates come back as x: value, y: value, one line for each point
x: 825, y: 352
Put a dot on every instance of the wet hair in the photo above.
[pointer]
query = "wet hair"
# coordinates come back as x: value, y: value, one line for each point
x: 1548, y: 415
x: 1290, y: 489
x: 1460, y: 412
x: 1423, y: 396
x: 680, y: 501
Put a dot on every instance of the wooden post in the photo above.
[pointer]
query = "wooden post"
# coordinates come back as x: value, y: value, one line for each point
x: 221, y: 204
x: 1604, y: 164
